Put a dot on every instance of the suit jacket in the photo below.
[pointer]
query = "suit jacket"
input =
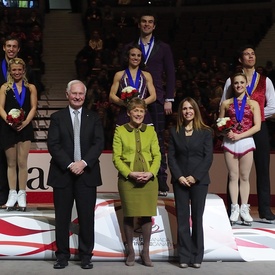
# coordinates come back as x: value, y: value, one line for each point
x: 61, y: 148
x: 2, y: 76
x: 124, y: 149
x: 190, y: 158
x: 161, y: 61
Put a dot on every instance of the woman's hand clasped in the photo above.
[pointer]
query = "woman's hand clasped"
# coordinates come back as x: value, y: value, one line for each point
x: 20, y: 126
x: 187, y: 181
x: 233, y: 136
x: 141, y: 177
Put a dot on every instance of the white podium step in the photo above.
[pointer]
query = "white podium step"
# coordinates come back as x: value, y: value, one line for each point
x: 31, y: 234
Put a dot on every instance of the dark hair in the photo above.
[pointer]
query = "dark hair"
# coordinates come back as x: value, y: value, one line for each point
x: 9, y: 37
x: 125, y: 61
x: 243, y: 48
x: 148, y: 13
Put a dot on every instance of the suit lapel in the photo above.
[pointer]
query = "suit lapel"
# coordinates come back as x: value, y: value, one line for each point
x: 155, y: 49
x: 68, y: 122
x: 84, y: 121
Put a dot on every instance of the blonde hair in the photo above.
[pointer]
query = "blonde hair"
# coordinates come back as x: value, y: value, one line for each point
x: 198, y: 123
x: 10, y: 79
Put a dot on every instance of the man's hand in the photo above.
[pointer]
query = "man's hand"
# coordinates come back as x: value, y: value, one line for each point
x: 77, y: 167
x: 168, y: 107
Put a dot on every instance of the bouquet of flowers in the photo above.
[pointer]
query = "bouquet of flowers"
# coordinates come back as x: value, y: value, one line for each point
x: 224, y: 124
x: 128, y: 93
x: 15, y: 117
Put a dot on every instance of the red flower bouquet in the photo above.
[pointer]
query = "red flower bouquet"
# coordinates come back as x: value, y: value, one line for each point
x: 128, y: 93
x: 15, y: 117
x: 224, y: 124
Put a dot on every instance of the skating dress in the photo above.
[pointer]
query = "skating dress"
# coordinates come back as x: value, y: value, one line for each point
x: 243, y: 146
x: 10, y: 136
x: 136, y: 150
x: 143, y: 93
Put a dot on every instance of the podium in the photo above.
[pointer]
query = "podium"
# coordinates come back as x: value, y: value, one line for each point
x: 31, y: 234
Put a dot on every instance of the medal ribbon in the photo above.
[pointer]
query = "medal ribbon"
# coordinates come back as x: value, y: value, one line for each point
x: 4, y: 68
x: 20, y: 98
x: 146, y: 54
x: 131, y: 81
x: 239, y: 112
x: 250, y: 87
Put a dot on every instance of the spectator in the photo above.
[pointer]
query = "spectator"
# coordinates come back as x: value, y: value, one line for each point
x: 123, y: 20
x: 96, y: 43
x: 33, y: 19
x: 92, y: 18
x: 37, y: 36
x: 84, y: 62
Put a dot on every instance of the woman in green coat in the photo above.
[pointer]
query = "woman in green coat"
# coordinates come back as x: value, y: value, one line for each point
x: 136, y: 156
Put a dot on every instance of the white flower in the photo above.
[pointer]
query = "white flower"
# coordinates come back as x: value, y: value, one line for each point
x: 128, y: 89
x: 221, y: 121
x: 15, y: 113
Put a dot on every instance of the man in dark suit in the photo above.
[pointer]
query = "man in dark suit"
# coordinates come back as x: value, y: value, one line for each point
x: 75, y: 179
x: 160, y: 63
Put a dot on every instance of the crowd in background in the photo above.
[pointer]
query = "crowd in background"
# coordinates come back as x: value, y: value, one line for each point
x: 96, y: 63
x: 106, y: 34
x: 26, y: 25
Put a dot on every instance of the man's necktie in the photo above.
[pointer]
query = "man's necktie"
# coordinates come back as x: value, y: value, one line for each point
x: 77, y: 152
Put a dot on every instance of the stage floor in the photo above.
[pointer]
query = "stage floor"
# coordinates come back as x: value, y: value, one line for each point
x: 255, y: 242
x: 44, y: 267
x: 30, y: 235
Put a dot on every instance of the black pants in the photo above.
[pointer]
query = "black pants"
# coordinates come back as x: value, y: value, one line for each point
x: 190, y: 244
x: 85, y: 199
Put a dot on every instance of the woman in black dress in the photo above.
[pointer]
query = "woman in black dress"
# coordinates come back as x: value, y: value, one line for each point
x: 19, y: 96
